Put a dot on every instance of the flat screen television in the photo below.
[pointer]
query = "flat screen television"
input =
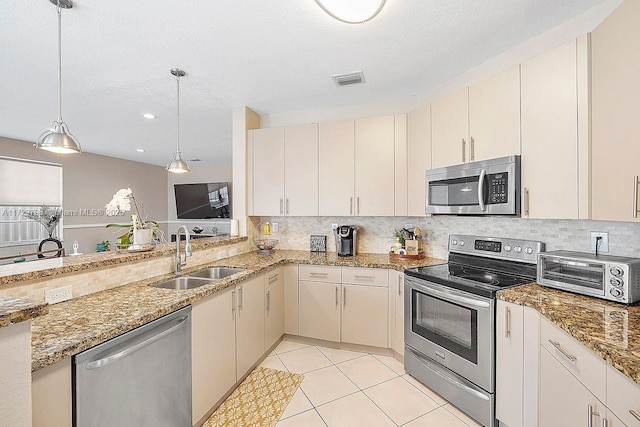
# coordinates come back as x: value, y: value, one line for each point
x: 203, y: 201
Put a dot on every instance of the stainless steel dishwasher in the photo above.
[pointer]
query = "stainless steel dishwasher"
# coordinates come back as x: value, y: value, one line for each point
x: 140, y: 378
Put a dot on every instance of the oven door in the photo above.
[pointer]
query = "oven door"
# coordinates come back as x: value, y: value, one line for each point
x: 453, y: 328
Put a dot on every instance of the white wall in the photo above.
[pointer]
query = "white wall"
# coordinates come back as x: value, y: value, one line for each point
x: 15, y: 375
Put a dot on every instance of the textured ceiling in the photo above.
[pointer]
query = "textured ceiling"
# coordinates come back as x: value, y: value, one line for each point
x: 273, y: 56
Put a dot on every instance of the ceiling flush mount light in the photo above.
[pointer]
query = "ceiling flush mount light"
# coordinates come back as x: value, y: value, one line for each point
x: 58, y: 139
x: 177, y: 165
x: 139, y: 150
x: 352, y: 11
x: 148, y: 116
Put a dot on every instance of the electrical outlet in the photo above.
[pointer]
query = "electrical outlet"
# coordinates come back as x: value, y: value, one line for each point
x: 53, y: 296
x: 275, y: 227
x: 334, y: 226
x: 604, y: 241
x: 409, y: 226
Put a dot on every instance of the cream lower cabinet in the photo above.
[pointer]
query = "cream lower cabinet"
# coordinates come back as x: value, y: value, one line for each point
x: 396, y: 311
x: 290, y: 273
x: 249, y: 324
x: 320, y: 310
x: 364, y: 315
x: 51, y: 395
x: 274, y: 307
x: 213, y: 350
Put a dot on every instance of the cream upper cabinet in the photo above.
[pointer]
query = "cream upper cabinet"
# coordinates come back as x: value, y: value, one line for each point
x: 450, y: 129
x: 268, y: 171
x: 615, y: 62
x: 336, y: 168
x: 494, y: 116
x: 374, y: 166
x: 550, y: 134
x: 418, y: 159
x: 401, y: 172
x: 274, y: 307
x: 249, y: 323
x: 301, y: 170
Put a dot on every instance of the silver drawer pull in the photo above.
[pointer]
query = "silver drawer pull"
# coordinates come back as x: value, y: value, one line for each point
x: 591, y: 415
x: 635, y: 414
x: 635, y: 196
x: 564, y: 352
x: 318, y: 274
x: 274, y: 278
x: 364, y: 277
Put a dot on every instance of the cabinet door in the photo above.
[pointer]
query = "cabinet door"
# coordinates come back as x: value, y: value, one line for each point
x: 336, y: 168
x: 274, y: 308
x: 249, y: 324
x: 450, y: 129
x: 550, y: 134
x: 365, y: 315
x: 301, y: 170
x: 623, y: 397
x: 418, y: 159
x: 509, y: 363
x: 564, y: 401
x: 615, y: 48
x: 268, y: 172
x: 494, y: 116
x: 320, y: 314
x: 396, y: 311
x: 213, y: 351
x: 374, y: 177
x: 400, y: 174
x: 291, y: 299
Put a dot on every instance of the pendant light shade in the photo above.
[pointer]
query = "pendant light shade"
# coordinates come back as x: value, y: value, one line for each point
x: 352, y: 11
x: 59, y: 139
x: 177, y: 165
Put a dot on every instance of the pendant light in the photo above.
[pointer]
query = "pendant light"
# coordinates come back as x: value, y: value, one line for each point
x: 177, y: 165
x: 352, y: 11
x: 59, y: 139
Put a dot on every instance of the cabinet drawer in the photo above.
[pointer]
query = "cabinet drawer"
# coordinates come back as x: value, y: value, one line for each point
x: 623, y: 397
x: 588, y: 368
x: 319, y: 273
x: 365, y: 276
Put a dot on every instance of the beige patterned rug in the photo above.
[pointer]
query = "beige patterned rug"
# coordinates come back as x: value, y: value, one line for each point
x: 259, y: 400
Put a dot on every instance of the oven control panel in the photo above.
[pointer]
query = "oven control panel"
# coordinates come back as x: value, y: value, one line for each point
x: 496, y: 247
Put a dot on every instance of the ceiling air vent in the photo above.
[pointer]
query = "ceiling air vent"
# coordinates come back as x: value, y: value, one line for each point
x: 348, y: 78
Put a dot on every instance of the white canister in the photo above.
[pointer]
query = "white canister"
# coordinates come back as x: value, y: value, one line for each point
x: 234, y: 227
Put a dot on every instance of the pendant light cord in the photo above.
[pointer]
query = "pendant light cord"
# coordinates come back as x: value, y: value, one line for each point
x: 59, y: 63
x: 178, y: 117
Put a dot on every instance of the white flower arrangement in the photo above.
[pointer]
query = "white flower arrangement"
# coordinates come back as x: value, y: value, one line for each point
x: 124, y: 201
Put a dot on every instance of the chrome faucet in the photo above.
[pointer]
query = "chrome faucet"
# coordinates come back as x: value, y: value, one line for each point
x: 187, y: 249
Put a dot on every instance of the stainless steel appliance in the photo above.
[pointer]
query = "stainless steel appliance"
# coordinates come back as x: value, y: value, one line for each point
x: 612, y: 278
x: 346, y: 240
x: 141, y: 378
x: 450, y: 318
x: 488, y: 187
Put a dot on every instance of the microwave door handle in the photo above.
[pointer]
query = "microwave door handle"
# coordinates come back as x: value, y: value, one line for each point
x: 483, y: 176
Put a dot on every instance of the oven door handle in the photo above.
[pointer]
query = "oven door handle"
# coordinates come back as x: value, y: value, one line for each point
x: 469, y: 302
x: 483, y: 175
x: 437, y: 370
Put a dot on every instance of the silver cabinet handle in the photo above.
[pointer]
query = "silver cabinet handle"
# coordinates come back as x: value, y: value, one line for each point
x: 364, y: 277
x: 634, y: 414
x: 464, y: 149
x: 507, y: 322
x: 155, y: 335
x: 281, y: 209
x: 526, y: 201
x: 273, y: 278
x: 350, y: 205
x: 472, y: 147
x: 605, y: 422
x: 268, y: 300
x: 399, y: 285
x: 286, y: 209
x: 312, y: 274
x: 233, y: 301
x: 358, y: 205
x: 635, y: 196
x: 344, y: 296
x: 337, y: 296
x: 591, y: 415
x: 564, y: 352
x: 240, y: 298
x: 483, y: 175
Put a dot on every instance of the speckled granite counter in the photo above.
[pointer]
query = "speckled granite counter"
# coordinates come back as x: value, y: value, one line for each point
x: 610, y: 330
x: 16, y: 310
x: 76, y: 325
x: 11, y: 273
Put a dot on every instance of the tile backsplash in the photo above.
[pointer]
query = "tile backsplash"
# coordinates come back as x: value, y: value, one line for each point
x: 376, y: 233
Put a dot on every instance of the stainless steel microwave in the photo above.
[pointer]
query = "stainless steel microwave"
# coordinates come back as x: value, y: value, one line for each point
x: 488, y: 187
x: 612, y: 278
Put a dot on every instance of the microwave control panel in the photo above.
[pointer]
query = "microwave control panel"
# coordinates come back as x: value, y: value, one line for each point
x: 498, y: 188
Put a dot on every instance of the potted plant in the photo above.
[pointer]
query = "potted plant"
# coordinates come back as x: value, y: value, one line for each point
x: 142, y: 231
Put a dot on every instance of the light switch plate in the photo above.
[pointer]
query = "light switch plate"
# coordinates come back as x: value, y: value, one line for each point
x: 275, y: 227
x: 53, y: 296
x: 604, y: 242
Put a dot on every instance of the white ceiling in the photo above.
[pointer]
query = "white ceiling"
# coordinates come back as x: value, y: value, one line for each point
x: 273, y: 56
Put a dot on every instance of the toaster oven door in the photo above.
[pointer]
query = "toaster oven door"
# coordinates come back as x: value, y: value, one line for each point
x: 579, y: 276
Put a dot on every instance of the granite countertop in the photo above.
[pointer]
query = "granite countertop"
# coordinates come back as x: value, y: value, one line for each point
x: 19, y: 272
x: 81, y: 323
x: 609, y: 329
x: 16, y: 310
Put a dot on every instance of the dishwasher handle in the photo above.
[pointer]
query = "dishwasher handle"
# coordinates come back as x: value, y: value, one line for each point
x: 147, y: 339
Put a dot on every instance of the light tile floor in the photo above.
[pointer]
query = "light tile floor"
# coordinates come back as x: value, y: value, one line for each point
x: 351, y: 389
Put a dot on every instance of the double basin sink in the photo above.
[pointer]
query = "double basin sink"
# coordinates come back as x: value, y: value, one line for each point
x: 199, y: 278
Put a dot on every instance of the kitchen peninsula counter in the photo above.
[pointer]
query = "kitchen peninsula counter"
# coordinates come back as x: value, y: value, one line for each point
x: 16, y: 310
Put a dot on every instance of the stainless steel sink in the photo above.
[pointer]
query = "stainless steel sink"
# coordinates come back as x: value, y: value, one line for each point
x: 182, y: 283
x: 217, y: 272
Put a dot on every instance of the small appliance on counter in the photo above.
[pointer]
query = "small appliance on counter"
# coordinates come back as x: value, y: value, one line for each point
x: 346, y: 240
x: 613, y: 278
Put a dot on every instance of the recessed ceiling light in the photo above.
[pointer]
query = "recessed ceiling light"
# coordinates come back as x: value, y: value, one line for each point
x: 149, y: 116
x: 139, y: 150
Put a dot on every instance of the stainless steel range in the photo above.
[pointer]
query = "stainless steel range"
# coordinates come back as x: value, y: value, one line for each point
x: 450, y: 318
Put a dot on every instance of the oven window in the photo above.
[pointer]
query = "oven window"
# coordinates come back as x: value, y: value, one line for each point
x: 449, y: 325
x: 454, y: 192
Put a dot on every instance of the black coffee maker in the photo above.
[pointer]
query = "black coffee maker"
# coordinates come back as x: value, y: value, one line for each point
x: 346, y: 240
